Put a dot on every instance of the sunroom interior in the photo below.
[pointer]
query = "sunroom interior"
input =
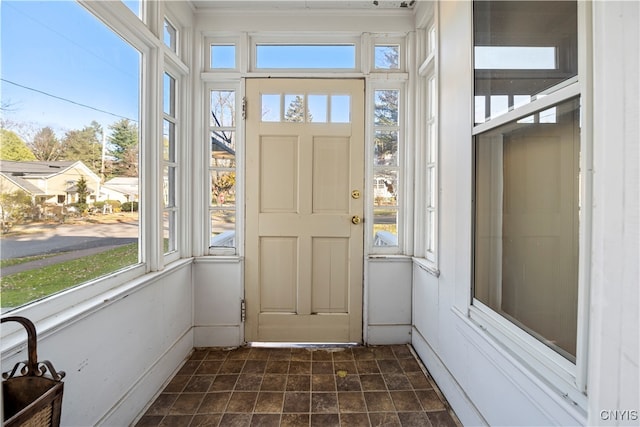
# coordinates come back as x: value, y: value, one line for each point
x: 372, y: 173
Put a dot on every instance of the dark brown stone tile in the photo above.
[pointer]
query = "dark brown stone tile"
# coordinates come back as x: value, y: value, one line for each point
x: 208, y: 367
x: 150, y: 421
x: 176, y: 421
x: 384, y: 419
x: 273, y: 382
x: 186, y: 404
x: 239, y: 353
x: 348, y: 383
x: 295, y: 401
x: 265, y: 420
x: 414, y: 419
x: 379, y: 401
x: 325, y: 420
x: 189, y: 367
x: 301, y: 354
x: 410, y: 365
x: 321, y: 356
x: 217, y: 354
x: 231, y: 366
x: 199, y: 354
x: 419, y: 381
x: 405, y: 401
x: 367, y: 367
x: 298, y: 383
x: 280, y: 354
x: 348, y: 366
x: 351, y: 401
x: 254, y: 367
x: 389, y: 367
x: 299, y: 367
x: 372, y: 382
x: 177, y: 384
x: 383, y: 353
x: 322, y: 367
x: 294, y: 420
x: 397, y: 382
x: 402, y: 352
x: 259, y: 354
x: 242, y: 401
x: 430, y: 400
x: 269, y: 402
x: 359, y: 419
x: 326, y: 403
x: 343, y: 354
x: 214, y: 403
x: 206, y: 420
x: 199, y: 384
x: 441, y: 419
x: 363, y: 353
x: 248, y: 382
x: 224, y: 383
x: 277, y: 367
x: 323, y: 382
x: 236, y: 420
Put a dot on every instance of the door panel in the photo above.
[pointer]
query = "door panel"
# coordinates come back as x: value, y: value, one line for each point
x: 304, y: 256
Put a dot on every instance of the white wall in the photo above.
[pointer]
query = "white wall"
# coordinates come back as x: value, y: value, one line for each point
x: 483, y: 382
x: 117, y: 355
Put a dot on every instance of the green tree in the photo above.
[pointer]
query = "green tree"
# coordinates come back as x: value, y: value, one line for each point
x: 82, y: 189
x: 45, y: 145
x: 14, y: 206
x: 124, y: 148
x: 295, y: 111
x: 84, y: 145
x: 13, y: 148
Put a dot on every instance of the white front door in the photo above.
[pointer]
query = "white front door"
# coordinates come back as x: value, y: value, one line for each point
x: 304, y: 186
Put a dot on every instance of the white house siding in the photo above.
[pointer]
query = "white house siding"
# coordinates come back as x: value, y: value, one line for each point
x: 482, y: 381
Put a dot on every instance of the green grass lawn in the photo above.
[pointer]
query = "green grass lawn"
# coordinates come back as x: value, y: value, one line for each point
x: 20, y: 288
x: 15, y: 261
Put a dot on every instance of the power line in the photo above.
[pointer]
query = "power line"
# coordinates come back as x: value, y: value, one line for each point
x: 67, y: 100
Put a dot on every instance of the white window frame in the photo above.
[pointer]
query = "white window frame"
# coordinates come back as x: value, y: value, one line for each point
x: 230, y: 40
x: 568, y: 378
x: 235, y: 86
x: 380, y: 40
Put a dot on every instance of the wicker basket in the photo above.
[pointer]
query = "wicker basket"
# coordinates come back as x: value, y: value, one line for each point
x: 31, y: 399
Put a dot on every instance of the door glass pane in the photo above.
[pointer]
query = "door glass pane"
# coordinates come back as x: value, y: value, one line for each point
x: 294, y: 108
x: 340, y: 108
x: 318, y: 105
x: 270, y: 107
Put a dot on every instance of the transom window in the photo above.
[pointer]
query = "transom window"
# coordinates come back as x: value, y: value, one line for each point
x: 310, y: 108
x: 306, y: 56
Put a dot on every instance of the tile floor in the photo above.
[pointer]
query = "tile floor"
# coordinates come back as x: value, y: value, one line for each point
x: 358, y: 386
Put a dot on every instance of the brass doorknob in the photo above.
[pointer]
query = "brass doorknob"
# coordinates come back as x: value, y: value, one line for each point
x: 355, y: 219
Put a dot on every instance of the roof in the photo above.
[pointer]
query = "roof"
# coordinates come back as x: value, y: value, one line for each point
x: 34, y: 168
x: 24, y: 184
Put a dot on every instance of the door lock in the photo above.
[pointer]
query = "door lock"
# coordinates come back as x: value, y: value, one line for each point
x: 355, y: 194
x: 355, y: 219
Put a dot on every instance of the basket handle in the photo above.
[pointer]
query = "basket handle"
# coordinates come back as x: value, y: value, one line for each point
x: 32, y: 367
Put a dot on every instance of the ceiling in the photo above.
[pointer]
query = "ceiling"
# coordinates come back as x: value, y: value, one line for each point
x: 302, y: 4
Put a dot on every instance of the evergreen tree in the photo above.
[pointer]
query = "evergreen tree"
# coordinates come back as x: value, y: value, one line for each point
x: 124, y: 148
x: 13, y: 148
x: 386, y: 114
x: 82, y: 189
x: 84, y: 145
x: 45, y: 146
x: 295, y: 111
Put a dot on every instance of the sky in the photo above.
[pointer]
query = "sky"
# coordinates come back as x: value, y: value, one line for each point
x: 59, y: 48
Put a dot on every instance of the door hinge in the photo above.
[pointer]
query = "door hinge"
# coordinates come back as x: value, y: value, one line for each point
x: 244, y: 108
x: 243, y: 311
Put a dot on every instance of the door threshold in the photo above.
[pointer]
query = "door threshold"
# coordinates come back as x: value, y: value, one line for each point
x: 259, y: 344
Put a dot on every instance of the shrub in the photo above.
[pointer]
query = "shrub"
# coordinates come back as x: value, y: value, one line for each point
x: 129, y: 207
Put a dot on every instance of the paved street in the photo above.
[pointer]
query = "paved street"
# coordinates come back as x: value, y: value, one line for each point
x: 67, y: 237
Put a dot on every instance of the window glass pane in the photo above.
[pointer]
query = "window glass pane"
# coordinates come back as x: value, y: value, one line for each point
x: 223, y: 107
x: 387, y: 57
x: 223, y: 149
x: 169, y: 231
x: 294, y: 109
x: 83, y: 123
x: 306, y: 56
x: 169, y: 141
x: 431, y: 231
x: 431, y: 187
x: 223, y: 56
x: 169, y: 92
x: 271, y: 108
x: 170, y: 35
x: 135, y: 6
x: 318, y: 105
x: 223, y: 188
x: 385, y: 188
x: 169, y: 186
x: 385, y: 227
x: 386, y: 107
x: 521, y: 51
x: 526, y: 225
x: 385, y: 145
x: 340, y: 108
x: 223, y: 228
